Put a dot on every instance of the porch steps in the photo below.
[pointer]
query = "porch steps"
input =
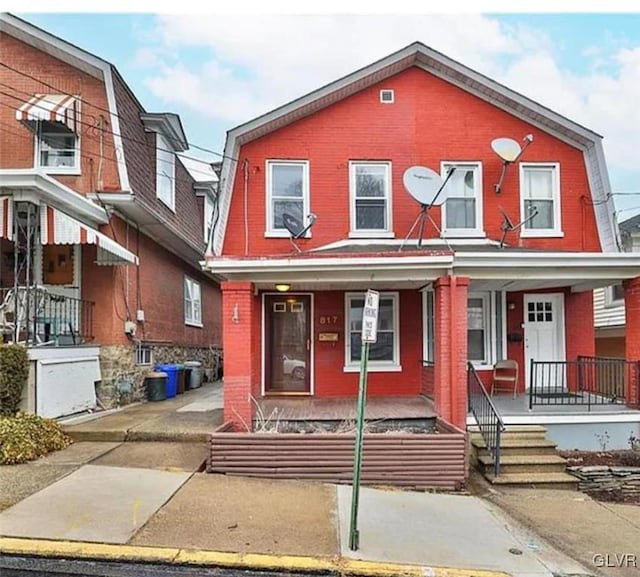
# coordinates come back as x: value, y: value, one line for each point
x: 527, y: 459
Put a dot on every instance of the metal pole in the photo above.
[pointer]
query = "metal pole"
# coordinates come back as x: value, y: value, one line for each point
x: 354, y: 535
x: 28, y: 283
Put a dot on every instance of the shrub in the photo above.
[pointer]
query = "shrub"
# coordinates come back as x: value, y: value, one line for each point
x: 14, y: 373
x: 25, y: 437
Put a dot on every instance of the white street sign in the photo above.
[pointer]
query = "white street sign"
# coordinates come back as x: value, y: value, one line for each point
x: 370, y: 317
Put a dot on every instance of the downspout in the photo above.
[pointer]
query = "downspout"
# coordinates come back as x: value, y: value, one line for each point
x: 245, y: 168
x: 452, y: 352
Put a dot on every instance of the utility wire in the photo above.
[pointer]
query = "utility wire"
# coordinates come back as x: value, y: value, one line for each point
x: 7, y: 129
x: 58, y: 91
x: 103, y: 130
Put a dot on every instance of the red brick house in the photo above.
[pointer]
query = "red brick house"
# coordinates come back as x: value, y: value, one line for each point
x: 102, y: 228
x: 461, y: 295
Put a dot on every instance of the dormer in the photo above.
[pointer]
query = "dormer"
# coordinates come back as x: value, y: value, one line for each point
x: 170, y: 139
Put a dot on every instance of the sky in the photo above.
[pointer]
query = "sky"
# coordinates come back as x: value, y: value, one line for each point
x: 218, y: 70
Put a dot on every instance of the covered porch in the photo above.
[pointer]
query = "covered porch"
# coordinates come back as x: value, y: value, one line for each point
x: 530, y: 306
x: 44, y: 227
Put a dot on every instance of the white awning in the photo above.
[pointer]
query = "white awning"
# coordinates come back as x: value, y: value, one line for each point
x: 61, y: 108
x: 58, y: 228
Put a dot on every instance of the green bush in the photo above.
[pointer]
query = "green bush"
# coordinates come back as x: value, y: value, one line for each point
x: 14, y: 374
x: 25, y: 437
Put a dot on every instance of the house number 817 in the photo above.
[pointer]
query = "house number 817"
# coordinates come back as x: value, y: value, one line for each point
x: 329, y: 320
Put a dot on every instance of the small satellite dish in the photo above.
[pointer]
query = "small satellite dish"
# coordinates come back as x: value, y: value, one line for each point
x: 423, y: 184
x: 295, y: 227
x: 509, y: 151
x: 506, y: 148
x: 508, y: 226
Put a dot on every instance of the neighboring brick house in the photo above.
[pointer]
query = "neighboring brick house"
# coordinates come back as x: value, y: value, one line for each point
x: 608, y: 302
x: 102, y: 227
x: 341, y: 153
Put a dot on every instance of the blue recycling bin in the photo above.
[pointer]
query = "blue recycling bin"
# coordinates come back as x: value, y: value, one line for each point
x: 172, y: 378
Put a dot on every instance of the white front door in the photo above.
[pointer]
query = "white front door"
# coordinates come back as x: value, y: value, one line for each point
x: 543, y: 330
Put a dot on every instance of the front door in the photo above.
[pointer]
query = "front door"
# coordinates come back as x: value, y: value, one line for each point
x: 287, y: 344
x: 543, y: 331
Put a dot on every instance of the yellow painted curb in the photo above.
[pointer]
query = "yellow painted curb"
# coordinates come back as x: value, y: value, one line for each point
x: 257, y: 561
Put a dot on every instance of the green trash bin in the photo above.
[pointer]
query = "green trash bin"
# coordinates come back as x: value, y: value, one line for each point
x: 156, y: 386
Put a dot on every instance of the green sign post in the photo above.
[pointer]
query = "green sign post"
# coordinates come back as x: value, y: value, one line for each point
x: 369, y: 335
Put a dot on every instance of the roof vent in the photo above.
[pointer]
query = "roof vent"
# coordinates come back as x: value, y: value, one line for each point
x: 387, y: 96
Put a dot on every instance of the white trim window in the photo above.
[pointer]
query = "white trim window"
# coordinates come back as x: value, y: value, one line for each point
x: 165, y: 172
x: 57, y: 148
x: 287, y: 192
x: 384, y: 354
x: 614, y: 295
x: 370, y: 199
x: 462, y: 211
x: 540, y: 191
x: 486, y: 327
x: 192, y: 302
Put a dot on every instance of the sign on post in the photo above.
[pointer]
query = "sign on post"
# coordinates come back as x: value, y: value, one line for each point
x: 369, y: 335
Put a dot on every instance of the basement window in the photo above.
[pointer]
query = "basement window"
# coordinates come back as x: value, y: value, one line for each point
x: 144, y: 355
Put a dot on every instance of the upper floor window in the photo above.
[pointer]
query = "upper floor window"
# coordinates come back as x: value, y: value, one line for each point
x: 540, y: 199
x: 462, y: 211
x: 57, y: 148
x: 165, y: 172
x: 370, y: 192
x: 287, y: 192
x: 384, y: 354
x: 192, y: 302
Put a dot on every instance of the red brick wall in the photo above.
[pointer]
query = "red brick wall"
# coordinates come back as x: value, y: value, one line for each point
x: 329, y: 357
x: 156, y: 286
x: 431, y: 121
x: 580, y: 336
x: 17, y: 142
x: 428, y: 377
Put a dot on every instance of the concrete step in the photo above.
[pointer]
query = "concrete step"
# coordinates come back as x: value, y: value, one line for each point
x: 525, y: 464
x: 535, y: 480
x: 509, y: 446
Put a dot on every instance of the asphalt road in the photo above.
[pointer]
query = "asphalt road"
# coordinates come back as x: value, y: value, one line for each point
x: 12, y: 566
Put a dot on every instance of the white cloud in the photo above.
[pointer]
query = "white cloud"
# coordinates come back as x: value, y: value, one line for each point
x: 258, y: 62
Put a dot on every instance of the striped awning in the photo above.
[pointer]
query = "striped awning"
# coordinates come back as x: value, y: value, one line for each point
x: 61, y: 108
x: 6, y: 217
x: 58, y: 228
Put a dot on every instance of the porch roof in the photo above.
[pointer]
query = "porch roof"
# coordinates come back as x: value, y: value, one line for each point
x: 498, y: 269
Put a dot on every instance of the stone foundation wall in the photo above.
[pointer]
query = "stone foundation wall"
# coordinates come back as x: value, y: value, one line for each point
x: 123, y: 381
x: 603, y: 478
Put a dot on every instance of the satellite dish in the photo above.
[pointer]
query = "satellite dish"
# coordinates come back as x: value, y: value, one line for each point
x: 423, y: 184
x: 509, y: 151
x: 295, y: 227
x: 508, y: 226
x: 506, y: 148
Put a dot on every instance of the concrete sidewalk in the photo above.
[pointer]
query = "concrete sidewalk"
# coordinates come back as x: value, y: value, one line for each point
x: 141, y: 500
x: 188, y: 417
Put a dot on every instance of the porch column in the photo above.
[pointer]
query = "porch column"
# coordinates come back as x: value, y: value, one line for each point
x: 450, y: 349
x: 632, y: 337
x: 580, y: 332
x: 238, y: 335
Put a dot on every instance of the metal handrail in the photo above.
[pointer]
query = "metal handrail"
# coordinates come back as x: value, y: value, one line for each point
x: 486, y: 415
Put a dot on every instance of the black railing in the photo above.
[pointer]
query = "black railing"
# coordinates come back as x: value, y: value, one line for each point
x: 486, y: 416
x: 586, y: 382
x: 38, y: 317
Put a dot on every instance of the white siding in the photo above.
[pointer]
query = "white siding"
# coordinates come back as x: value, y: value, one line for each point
x: 606, y: 316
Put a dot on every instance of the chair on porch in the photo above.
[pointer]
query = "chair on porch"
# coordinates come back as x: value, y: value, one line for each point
x: 505, y: 374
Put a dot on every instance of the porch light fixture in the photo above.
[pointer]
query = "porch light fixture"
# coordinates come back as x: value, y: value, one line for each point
x: 283, y: 287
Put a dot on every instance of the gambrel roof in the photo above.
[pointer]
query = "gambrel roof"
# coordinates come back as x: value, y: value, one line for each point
x: 421, y: 56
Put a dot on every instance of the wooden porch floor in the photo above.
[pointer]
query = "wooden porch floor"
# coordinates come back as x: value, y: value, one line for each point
x: 343, y: 409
